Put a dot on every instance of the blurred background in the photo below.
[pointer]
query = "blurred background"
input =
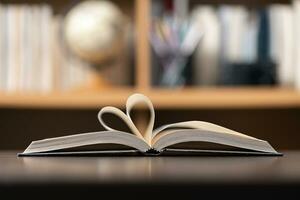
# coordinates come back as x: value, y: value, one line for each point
x: 229, y: 62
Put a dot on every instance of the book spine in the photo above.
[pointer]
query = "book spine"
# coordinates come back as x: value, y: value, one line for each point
x: 282, y: 42
x: 2, y: 48
x: 296, y: 5
x: 13, y: 51
x: 28, y: 48
x: 46, y: 72
x: 56, y: 53
x: 22, y: 47
x: 206, y: 56
x: 5, y: 44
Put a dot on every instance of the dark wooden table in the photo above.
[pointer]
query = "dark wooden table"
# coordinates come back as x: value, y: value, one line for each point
x: 179, y: 177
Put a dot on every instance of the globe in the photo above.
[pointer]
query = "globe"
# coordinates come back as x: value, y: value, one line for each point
x: 93, y: 30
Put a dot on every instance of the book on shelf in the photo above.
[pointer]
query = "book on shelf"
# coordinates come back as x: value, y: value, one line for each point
x: 282, y: 42
x: 236, y: 35
x: 206, y: 57
x: 34, y: 56
x: 182, y: 138
x: 296, y: 25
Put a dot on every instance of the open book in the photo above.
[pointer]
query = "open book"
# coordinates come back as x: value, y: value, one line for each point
x: 190, y: 137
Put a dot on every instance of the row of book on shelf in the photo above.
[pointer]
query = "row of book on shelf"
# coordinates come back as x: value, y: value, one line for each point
x: 34, y: 56
x: 31, y: 47
x: 239, y: 45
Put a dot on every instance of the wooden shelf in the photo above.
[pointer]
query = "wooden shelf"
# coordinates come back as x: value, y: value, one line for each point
x: 201, y: 98
x: 240, y: 97
x: 74, y: 99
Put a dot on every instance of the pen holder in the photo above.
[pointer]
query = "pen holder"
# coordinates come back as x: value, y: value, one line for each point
x: 173, y: 43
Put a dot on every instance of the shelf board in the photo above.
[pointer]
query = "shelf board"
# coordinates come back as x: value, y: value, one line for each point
x: 223, y: 97
x: 202, y: 98
x: 74, y: 99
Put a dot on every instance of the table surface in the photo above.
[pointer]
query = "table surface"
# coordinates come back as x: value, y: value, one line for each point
x: 124, y: 170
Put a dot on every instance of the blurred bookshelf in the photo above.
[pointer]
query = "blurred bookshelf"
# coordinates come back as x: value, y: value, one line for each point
x: 188, y: 97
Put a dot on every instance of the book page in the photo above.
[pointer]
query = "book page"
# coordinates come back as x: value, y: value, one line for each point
x: 122, y: 116
x: 84, y: 139
x: 171, y: 137
x: 136, y: 99
x: 201, y: 125
x: 193, y: 131
x: 132, y: 101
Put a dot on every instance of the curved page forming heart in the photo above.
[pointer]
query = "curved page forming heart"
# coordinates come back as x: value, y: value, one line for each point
x: 131, y: 102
